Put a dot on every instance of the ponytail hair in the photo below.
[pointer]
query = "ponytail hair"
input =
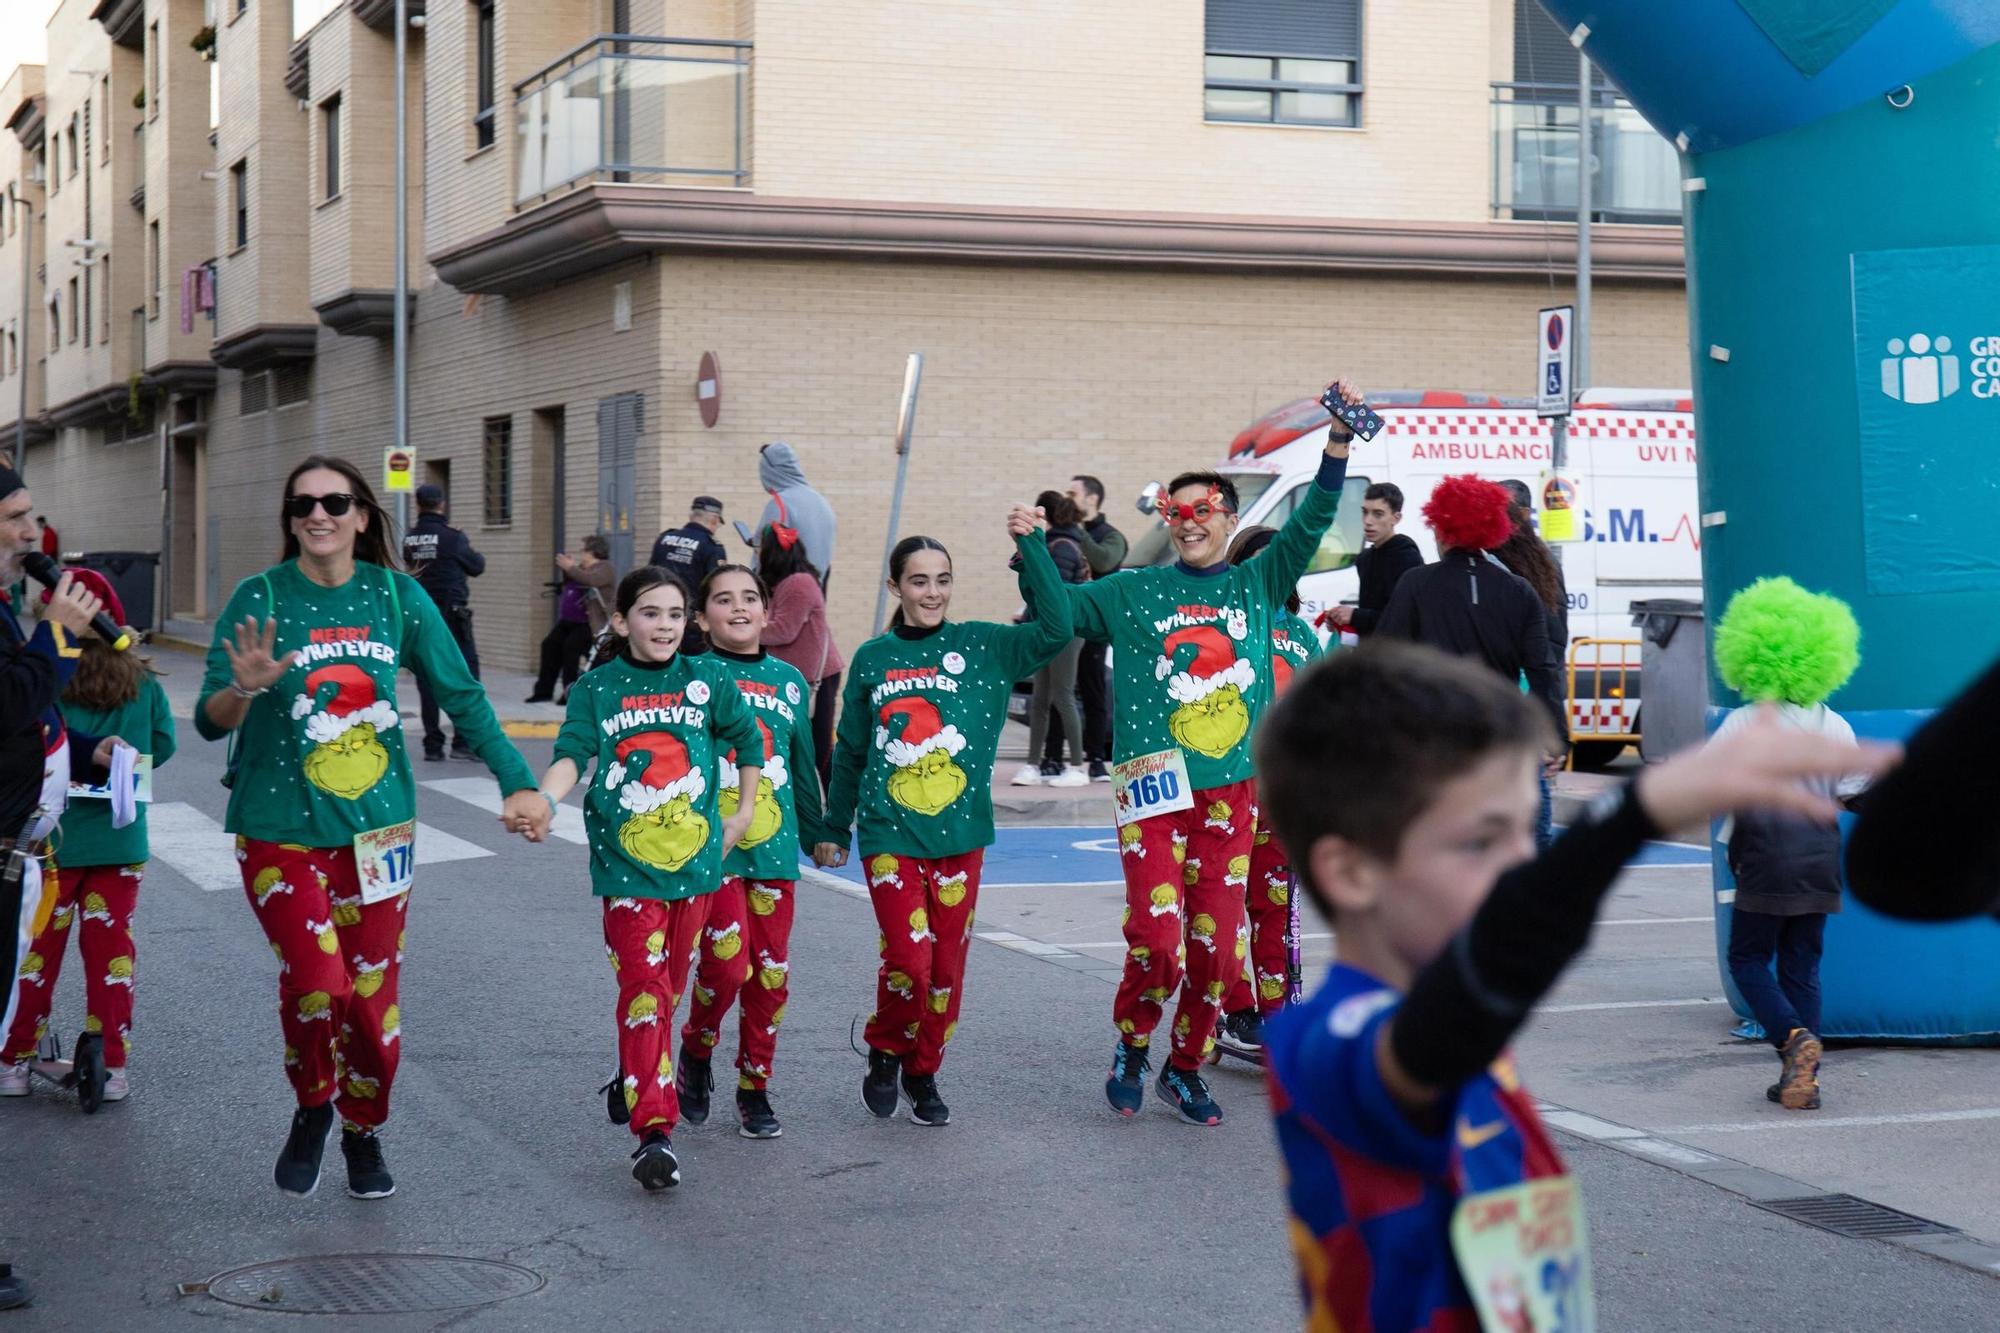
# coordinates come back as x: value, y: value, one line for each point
x: 630, y: 589
x: 900, y: 556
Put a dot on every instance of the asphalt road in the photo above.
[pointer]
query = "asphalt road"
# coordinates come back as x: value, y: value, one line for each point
x: 1035, y: 1208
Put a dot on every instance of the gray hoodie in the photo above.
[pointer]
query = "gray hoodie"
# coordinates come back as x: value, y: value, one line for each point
x: 805, y: 508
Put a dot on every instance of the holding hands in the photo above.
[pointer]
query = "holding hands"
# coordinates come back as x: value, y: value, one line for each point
x: 528, y: 813
x: 1024, y: 519
x: 829, y: 855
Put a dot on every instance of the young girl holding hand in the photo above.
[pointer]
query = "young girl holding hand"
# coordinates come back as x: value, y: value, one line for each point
x: 919, y: 726
x: 745, y: 945
x: 655, y: 723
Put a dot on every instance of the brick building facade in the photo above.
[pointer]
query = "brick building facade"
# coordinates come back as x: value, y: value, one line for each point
x: 1051, y: 202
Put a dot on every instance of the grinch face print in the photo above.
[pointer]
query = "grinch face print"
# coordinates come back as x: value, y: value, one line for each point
x: 1211, y: 717
x: 923, y: 751
x: 344, y: 720
x: 767, y: 816
x: 658, y: 784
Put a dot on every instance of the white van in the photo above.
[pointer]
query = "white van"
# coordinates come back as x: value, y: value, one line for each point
x: 1630, y: 452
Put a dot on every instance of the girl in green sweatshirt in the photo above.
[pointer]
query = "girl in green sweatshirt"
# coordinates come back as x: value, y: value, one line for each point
x: 920, y: 722
x: 656, y: 725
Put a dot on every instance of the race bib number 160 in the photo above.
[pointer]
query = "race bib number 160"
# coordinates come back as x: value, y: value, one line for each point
x: 1151, y: 784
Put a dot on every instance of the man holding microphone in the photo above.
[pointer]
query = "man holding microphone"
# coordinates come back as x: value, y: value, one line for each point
x: 36, y: 754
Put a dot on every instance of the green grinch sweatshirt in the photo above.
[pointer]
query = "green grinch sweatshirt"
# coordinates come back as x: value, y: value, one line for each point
x: 1295, y: 646
x: 788, y: 803
x: 935, y: 702
x: 656, y: 732
x: 320, y: 757
x: 1187, y: 644
x: 147, y: 725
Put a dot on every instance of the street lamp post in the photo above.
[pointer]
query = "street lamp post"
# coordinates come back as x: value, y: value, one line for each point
x: 27, y: 316
x: 400, y: 338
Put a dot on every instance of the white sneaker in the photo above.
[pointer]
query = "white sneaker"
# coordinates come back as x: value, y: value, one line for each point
x: 1070, y: 777
x: 1028, y: 776
x: 116, y: 1086
x: 14, y: 1080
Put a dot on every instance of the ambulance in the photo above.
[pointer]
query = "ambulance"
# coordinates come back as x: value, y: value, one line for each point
x: 1630, y: 465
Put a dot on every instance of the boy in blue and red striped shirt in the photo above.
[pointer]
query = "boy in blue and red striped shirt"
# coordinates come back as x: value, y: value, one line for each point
x: 1425, y: 1192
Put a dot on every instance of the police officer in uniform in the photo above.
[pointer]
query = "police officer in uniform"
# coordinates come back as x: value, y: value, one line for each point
x: 690, y: 552
x: 441, y: 559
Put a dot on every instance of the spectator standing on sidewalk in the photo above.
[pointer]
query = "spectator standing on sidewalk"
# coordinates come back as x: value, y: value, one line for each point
x: 1055, y: 683
x: 580, y: 616
x: 1382, y: 563
x: 690, y: 552
x: 51, y: 540
x: 797, y: 505
x: 1525, y: 553
x: 441, y: 559
x: 796, y: 630
x: 1105, y: 548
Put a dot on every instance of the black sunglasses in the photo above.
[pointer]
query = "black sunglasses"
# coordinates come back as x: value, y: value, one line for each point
x: 301, y: 506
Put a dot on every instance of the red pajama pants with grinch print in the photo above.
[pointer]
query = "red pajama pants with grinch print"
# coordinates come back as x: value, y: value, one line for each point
x: 1263, y: 983
x: 651, y: 942
x: 924, y: 906
x: 338, y: 964
x: 743, y: 953
x: 105, y: 897
x: 1185, y: 878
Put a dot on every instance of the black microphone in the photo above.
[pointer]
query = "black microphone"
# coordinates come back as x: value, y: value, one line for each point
x: 44, y: 570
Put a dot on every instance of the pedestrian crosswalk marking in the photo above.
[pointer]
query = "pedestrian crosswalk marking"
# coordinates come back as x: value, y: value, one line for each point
x: 197, y: 848
x: 482, y: 793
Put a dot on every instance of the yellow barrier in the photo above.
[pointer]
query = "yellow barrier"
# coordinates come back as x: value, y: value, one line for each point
x: 1610, y: 714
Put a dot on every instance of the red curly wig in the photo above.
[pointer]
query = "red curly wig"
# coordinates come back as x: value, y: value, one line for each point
x: 1468, y: 513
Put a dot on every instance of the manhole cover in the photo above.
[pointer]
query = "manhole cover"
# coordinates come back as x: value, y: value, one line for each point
x: 1845, y: 1215
x: 372, y: 1284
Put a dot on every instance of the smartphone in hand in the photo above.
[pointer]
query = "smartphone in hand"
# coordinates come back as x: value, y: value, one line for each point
x: 1360, y: 418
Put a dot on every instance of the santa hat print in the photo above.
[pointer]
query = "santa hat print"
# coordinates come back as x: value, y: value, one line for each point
x: 1215, y: 664
x: 667, y: 774
x: 352, y: 702
x: 774, y: 763
x: 923, y: 731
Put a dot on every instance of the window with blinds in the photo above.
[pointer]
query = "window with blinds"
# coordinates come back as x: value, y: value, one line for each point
x: 1543, y: 56
x: 1283, y: 62
x: 497, y: 466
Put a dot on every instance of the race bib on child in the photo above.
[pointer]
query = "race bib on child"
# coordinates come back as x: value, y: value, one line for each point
x: 1151, y: 784
x: 384, y: 859
x: 1525, y: 1256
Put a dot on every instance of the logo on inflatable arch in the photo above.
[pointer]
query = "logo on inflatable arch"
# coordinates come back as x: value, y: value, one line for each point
x: 1921, y: 370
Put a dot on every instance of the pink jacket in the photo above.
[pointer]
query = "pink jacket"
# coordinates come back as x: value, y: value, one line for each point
x: 796, y: 630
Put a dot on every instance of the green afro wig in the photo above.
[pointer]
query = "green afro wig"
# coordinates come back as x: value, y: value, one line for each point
x: 1778, y: 643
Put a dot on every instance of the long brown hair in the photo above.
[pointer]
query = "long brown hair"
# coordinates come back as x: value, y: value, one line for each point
x: 1528, y: 555
x: 106, y: 678
x: 372, y: 542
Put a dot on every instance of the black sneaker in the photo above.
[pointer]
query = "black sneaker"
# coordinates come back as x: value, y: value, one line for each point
x: 878, y: 1090
x: 89, y: 1072
x: 1098, y: 772
x: 694, y: 1080
x: 654, y: 1165
x: 1126, y: 1088
x: 1242, y: 1032
x: 1187, y: 1092
x: 538, y: 698
x: 367, y: 1174
x: 460, y: 750
x: 13, y: 1291
x: 756, y: 1119
x: 297, y: 1171
x: 926, y: 1107
x: 614, y: 1098
x: 434, y: 754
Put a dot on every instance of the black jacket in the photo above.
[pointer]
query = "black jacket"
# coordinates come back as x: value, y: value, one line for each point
x: 1785, y: 865
x: 30, y: 684
x: 1381, y: 568
x: 441, y: 559
x: 1067, y: 547
x: 1471, y: 606
x: 690, y: 551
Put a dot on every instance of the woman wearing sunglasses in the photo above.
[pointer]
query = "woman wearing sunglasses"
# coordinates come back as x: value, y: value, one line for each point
x: 302, y: 679
x: 1191, y: 643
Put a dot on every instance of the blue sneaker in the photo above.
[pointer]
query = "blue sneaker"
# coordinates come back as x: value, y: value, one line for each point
x: 1126, y: 1088
x: 1187, y: 1092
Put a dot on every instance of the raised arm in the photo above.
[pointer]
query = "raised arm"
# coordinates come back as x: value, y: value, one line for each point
x: 1019, y: 650
x: 1281, y: 565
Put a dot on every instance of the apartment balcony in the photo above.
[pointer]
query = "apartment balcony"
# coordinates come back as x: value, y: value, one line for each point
x: 1636, y: 173
x: 633, y: 110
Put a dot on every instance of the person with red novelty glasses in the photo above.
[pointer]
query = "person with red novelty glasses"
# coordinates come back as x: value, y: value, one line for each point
x: 1191, y: 645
